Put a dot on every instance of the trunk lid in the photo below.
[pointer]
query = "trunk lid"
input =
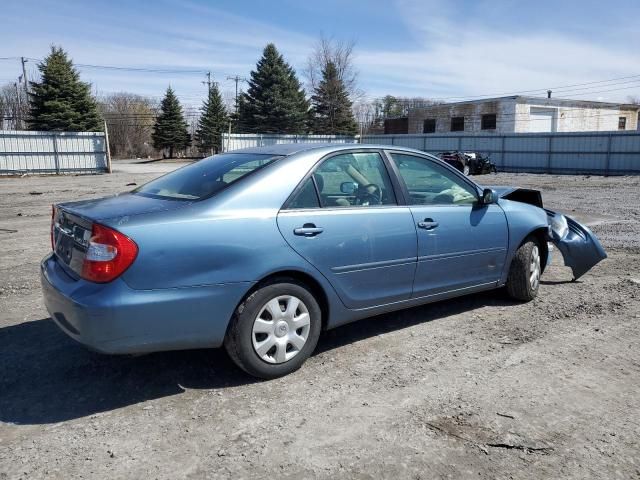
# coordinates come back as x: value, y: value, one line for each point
x: 72, y: 222
x: 123, y: 205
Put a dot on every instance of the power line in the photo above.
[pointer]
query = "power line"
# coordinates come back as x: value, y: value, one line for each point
x: 610, y: 84
x: 539, y: 90
x: 605, y: 91
x: 586, y: 88
x: 565, y: 89
x: 131, y: 69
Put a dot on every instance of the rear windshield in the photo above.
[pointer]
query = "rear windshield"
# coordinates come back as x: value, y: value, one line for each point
x: 206, y: 177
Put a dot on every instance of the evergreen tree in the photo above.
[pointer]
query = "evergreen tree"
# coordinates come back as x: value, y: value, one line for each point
x: 332, y: 114
x: 274, y: 102
x: 213, y: 120
x: 170, y: 130
x: 61, y: 102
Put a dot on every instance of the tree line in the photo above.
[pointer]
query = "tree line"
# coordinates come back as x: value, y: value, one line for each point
x: 274, y: 102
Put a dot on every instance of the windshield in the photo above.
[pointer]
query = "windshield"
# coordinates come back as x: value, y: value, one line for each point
x: 206, y: 177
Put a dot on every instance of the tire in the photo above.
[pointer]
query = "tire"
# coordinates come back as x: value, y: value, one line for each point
x: 267, y: 338
x: 466, y: 170
x: 523, y: 281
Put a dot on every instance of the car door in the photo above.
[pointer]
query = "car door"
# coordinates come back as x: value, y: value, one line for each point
x: 344, y: 219
x: 461, y: 243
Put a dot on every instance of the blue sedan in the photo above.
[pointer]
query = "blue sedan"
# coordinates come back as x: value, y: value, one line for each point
x: 261, y: 249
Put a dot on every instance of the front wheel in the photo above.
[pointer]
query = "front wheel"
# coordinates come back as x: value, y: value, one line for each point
x: 274, y: 330
x: 466, y: 170
x: 523, y: 281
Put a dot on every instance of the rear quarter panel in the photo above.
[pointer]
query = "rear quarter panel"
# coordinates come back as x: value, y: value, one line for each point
x: 191, y: 247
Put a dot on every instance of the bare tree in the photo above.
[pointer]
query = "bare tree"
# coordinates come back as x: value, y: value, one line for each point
x: 368, y: 116
x: 633, y: 100
x: 340, y: 53
x: 14, y: 106
x: 371, y: 114
x: 130, y: 120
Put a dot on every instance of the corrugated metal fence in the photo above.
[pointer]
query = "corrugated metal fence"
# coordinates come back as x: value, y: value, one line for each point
x: 609, y: 153
x: 236, y: 141
x: 52, y: 152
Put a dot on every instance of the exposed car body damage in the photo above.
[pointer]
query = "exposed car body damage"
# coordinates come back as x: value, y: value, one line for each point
x: 524, y: 195
x: 580, y: 248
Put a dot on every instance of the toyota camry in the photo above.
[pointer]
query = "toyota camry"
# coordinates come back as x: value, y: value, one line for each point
x: 259, y: 250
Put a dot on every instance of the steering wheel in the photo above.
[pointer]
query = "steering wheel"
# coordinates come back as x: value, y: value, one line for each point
x: 363, y: 195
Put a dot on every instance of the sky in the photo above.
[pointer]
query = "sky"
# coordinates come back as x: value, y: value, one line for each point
x: 446, y: 50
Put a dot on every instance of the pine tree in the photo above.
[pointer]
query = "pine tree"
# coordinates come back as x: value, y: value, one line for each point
x: 332, y: 114
x: 212, y: 122
x: 60, y: 101
x: 170, y: 129
x: 274, y: 102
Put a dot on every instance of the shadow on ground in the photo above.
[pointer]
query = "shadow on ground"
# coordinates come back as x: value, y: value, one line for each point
x: 45, y: 377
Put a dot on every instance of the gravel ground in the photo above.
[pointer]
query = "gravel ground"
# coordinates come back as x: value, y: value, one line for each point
x: 477, y: 387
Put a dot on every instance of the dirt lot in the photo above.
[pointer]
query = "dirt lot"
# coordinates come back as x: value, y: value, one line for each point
x: 477, y: 387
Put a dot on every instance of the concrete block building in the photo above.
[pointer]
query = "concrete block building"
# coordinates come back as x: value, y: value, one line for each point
x: 521, y: 114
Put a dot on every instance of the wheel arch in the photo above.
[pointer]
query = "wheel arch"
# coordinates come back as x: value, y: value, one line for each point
x: 301, y: 277
x: 541, y: 234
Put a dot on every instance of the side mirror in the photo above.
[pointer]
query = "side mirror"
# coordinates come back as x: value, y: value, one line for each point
x: 348, y: 188
x: 489, y: 196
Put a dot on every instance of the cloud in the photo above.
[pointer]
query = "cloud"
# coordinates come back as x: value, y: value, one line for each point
x: 196, y: 37
x: 458, y: 54
x: 446, y: 48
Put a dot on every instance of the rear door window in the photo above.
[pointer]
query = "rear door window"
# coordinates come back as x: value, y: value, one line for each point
x: 306, y: 196
x: 206, y: 177
x: 431, y: 184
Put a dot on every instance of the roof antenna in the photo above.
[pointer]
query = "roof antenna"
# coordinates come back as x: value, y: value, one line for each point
x: 548, y: 93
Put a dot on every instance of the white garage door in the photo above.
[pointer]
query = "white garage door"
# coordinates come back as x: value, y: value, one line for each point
x: 542, y: 120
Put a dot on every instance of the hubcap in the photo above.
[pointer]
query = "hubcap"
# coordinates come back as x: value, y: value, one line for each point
x: 534, y: 276
x: 281, y: 329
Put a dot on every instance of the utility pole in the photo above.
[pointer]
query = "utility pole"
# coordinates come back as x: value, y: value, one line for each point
x: 18, y: 120
x: 237, y: 79
x: 24, y: 74
x: 17, y: 113
x: 208, y: 82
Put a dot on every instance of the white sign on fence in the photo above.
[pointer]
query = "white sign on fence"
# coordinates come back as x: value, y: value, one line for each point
x: 236, y: 141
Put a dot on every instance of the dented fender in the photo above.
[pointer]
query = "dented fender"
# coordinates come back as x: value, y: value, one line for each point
x: 579, y: 246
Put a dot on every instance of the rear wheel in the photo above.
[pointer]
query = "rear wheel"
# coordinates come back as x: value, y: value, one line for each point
x: 525, y: 271
x: 274, y: 330
x: 466, y: 170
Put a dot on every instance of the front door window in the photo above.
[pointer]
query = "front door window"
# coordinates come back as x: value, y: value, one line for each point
x: 357, y: 179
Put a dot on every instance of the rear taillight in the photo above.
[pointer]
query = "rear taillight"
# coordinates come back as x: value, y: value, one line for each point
x: 109, y: 254
x: 53, y: 224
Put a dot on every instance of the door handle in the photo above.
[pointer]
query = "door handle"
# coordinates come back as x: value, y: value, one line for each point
x: 428, y: 224
x: 308, y: 230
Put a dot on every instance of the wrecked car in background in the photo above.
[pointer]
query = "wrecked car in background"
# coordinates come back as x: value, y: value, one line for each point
x: 469, y: 163
x: 261, y: 249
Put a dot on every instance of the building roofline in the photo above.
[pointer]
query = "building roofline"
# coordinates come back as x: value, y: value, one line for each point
x: 541, y: 100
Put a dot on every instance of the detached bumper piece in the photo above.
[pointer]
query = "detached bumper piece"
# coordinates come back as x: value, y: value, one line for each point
x: 580, y: 248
